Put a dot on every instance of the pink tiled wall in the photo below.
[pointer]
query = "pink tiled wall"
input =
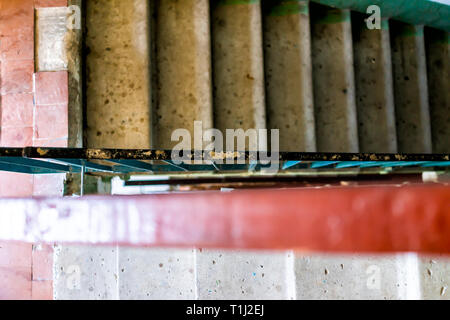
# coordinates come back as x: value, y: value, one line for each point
x: 33, y: 112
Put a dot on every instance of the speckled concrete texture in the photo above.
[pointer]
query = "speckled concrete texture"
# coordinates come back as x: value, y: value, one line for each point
x: 334, y: 84
x: 374, y: 87
x: 238, y: 67
x: 183, y: 68
x: 411, y: 88
x: 435, y: 277
x: 438, y: 66
x: 118, y: 77
x: 354, y: 277
x: 244, y: 275
x: 85, y: 273
x: 289, y: 92
x: 157, y: 274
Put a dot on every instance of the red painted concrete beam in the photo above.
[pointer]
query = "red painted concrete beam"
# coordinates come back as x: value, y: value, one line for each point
x: 376, y: 220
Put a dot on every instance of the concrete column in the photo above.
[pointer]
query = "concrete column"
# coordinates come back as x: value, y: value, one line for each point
x: 438, y: 66
x: 411, y: 89
x: 183, y: 68
x: 374, y: 87
x: 334, y: 84
x: 290, y: 101
x: 118, y: 74
x: 239, y: 101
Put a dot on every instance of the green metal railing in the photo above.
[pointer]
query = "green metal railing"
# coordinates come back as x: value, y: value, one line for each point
x: 113, y: 161
x: 432, y: 13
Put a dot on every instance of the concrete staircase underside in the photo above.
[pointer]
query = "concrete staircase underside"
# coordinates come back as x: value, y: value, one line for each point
x: 316, y: 73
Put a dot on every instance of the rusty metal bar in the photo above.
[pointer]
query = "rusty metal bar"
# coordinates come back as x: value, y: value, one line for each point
x: 148, y: 154
x: 376, y: 220
x: 283, y: 180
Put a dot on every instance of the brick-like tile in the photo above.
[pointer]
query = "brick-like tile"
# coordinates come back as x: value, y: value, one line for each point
x: 51, y: 122
x: 17, y: 18
x: 15, y: 254
x: 17, y: 76
x: 42, y: 262
x: 48, y: 185
x: 51, y: 88
x: 16, y: 137
x: 17, y: 110
x: 42, y: 290
x: 15, y: 283
x: 15, y: 48
x: 15, y: 185
x: 51, y: 143
x: 50, y: 3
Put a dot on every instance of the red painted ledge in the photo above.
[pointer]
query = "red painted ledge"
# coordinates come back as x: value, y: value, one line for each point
x: 364, y: 220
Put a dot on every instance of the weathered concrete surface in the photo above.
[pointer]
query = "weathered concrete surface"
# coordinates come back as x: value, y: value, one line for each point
x: 157, y: 274
x: 356, y: 277
x: 239, y: 98
x: 51, y: 31
x: 118, y: 76
x: 85, y: 273
x: 74, y: 66
x: 435, y: 277
x: 225, y: 275
x: 374, y: 87
x: 183, y: 68
x: 411, y: 89
x: 334, y: 84
x: 438, y: 66
x: 290, y: 101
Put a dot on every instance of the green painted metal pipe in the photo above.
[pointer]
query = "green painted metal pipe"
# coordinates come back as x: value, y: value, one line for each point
x: 433, y: 13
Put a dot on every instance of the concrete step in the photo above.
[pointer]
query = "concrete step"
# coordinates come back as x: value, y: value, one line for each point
x: 118, y: 90
x: 374, y: 87
x: 183, y: 69
x: 238, y: 66
x: 438, y: 66
x: 410, y: 88
x: 334, y: 83
x: 287, y: 49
